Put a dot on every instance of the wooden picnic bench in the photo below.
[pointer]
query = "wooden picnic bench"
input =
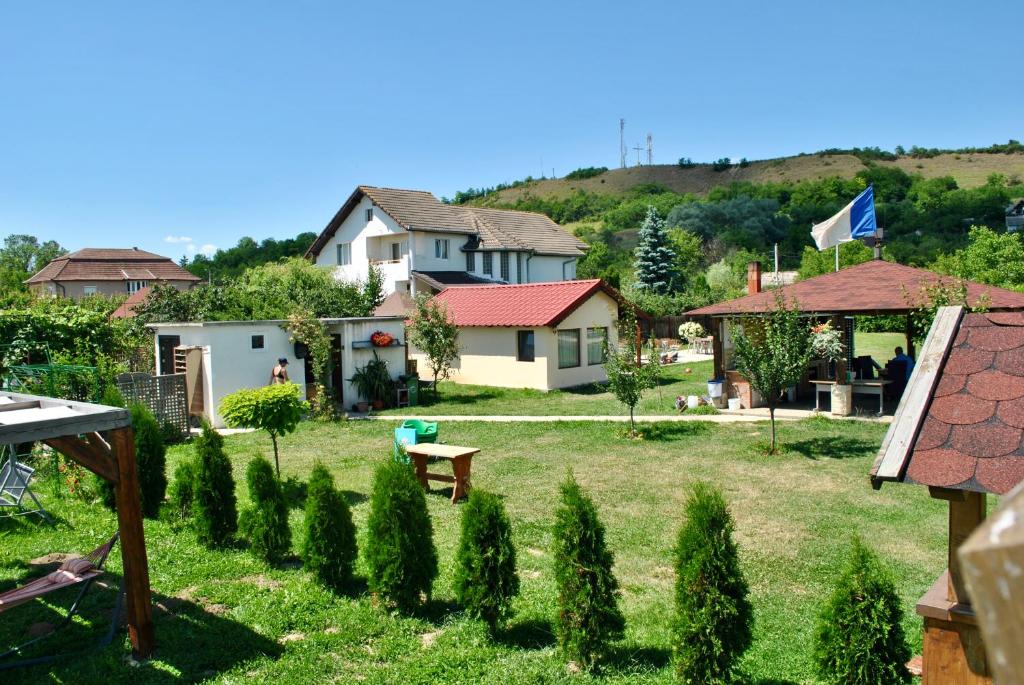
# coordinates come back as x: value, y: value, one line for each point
x: 460, y: 457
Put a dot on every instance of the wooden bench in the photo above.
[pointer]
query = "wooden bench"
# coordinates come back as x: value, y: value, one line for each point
x: 460, y: 457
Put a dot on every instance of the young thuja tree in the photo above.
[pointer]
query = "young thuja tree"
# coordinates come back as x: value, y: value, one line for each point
x: 772, y: 353
x: 400, y: 555
x: 213, y: 505
x: 276, y: 409
x: 329, y: 543
x: 859, y: 639
x: 150, y: 461
x: 713, y: 616
x: 588, y: 610
x: 485, y: 563
x: 628, y: 378
x: 265, y: 521
x: 655, y: 258
x: 433, y: 332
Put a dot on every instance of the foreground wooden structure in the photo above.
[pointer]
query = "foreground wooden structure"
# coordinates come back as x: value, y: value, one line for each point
x: 100, y: 439
x: 959, y: 430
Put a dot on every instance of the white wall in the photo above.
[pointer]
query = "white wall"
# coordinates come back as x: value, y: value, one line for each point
x: 230, y: 363
x: 360, y: 330
x: 356, y: 231
x: 600, y: 311
x: 546, y: 268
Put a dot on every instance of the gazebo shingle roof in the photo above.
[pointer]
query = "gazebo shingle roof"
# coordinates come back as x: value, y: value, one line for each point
x: 871, y: 287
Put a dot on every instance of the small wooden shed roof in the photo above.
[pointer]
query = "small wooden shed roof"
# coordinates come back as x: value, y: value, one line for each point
x: 874, y: 287
x: 960, y: 424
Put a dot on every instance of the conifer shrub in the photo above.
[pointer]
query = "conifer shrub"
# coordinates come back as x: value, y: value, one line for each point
x: 859, y: 639
x: 150, y: 460
x: 588, y: 612
x: 400, y: 556
x: 265, y: 521
x: 329, y: 543
x: 182, y: 489
x: 214, y: 506
x: 713, y: 620
x: 485, y: 563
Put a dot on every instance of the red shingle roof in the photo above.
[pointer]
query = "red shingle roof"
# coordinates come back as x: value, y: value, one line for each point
x: 531, y: 304
x: 875, y: 286
x: 971, y: 431
x: 112, y: 264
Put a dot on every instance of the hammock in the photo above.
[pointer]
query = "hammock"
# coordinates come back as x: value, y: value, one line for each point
x: 77, y: 571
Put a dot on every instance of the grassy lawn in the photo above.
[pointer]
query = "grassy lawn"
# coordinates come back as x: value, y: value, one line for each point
x: 593, y: 399
x: 879, y: 346
x: 225, y: 617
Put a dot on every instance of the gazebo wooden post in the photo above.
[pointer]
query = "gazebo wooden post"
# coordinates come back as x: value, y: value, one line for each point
x: 910, y: 337
x: 133, y: 544
x: 838, y: 324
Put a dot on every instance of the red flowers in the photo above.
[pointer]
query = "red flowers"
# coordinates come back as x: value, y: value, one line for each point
x: 381, y: 339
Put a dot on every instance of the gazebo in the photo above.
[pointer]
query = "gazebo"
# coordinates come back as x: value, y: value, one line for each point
x: 100, y: 439
x: 871, y: 288
x: 959, y: 431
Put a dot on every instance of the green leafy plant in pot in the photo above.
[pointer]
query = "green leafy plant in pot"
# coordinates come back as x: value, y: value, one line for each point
x: 373, y: 382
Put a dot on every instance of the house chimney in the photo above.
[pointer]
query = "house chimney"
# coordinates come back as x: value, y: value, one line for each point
x: 753, y: 277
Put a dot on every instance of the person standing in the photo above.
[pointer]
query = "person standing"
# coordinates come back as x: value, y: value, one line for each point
x: 280, y: 372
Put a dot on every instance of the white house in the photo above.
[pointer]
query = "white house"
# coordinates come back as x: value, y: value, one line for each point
x: 537, y: 335
x: 242, y: 354
x: 423, y: 245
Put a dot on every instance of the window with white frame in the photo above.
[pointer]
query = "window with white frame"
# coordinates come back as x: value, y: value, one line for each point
x: 396, y: 251
x: 524, y: 346
x: 369, y: 214
x: 595, y: 345
x: 441, y: 248
x: 471, y: 262
x: 488, y: 264
x: 88, y: 290
x: 136, y: 286
x: 344, y: 254
x: 569, y: 348
x: 504, y: 266
x: 257, y: 342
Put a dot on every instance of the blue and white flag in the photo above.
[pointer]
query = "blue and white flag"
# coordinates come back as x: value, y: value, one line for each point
x: 855, y: 220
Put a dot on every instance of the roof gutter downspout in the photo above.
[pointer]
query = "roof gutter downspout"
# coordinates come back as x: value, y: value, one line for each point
x: 412, y: 261
x: 529, y: 256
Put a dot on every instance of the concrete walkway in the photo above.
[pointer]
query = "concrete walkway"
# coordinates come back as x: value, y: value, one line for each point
x: 725, y: 416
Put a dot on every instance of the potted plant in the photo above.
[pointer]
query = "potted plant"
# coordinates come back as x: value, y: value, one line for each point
x: 381, y: 339
x: 827, y: 343
x: 373, y: 383
x: 363, y: 383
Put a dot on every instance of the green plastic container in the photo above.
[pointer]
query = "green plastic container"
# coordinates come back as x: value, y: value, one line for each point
x: 426, y: 431
x: 413, y: 384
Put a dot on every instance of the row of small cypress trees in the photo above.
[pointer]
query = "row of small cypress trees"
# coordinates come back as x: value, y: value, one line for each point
x: 859, y: 638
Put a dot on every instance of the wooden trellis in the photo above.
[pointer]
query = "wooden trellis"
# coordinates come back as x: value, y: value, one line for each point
x: 165, y: 396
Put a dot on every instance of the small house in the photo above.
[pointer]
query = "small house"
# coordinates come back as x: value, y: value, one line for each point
x: 537, y: 335
x: 220, y: 357
x: 108, y: 271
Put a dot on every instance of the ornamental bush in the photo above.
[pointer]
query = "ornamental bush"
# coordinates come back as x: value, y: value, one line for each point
x: 329, y: 542
x: 214, y: 506
x: 713, y: 620
x: 265, y: 521
x: 400, y: 554
x: 588, y: 611
x: 485, y: 563
x: 276, y: 409
x: 859, y: 639
x: 182, y: 490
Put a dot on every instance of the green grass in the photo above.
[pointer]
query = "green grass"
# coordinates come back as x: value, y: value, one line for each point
x: 879, y: 346
x: 587, y: 400
x: 226, y: 617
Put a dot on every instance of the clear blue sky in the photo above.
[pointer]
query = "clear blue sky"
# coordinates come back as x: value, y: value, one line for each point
x: 124, y: 123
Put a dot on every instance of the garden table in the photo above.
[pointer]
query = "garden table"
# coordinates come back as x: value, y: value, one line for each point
x: 460, y: 457
x: 860, y: 387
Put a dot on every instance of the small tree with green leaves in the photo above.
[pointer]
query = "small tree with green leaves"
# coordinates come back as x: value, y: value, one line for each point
x: 400, y: 554
x: 433, y: 333
x: 588, y: 610
x: 214, y: 505
x: 485, y: 563
x: 628, y: 378
x: 859, y: 639
x: 276, y: 409
x: 713, y: 620
x: 329, y: 541
x: 265, y: 521
x: 772, y: 353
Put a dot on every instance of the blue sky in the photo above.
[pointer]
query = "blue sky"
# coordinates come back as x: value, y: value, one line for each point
x: 124, y: 124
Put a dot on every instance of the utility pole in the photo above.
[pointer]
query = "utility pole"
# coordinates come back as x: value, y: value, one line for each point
x: 622, y: 143
x: 650, y: 150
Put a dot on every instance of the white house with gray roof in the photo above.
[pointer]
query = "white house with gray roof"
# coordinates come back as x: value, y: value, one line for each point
x: 423, y: 245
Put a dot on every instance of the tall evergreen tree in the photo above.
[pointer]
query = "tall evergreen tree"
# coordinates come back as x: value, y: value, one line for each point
x: 655, y: 258
x: 213, y: 505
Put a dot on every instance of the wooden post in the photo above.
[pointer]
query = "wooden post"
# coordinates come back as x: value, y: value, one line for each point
x: 910, y: 337
x: 991, y: 560
x: 837, y: 323
x: 964, y: 517
x: 133, y: 545
x: 717, y: 346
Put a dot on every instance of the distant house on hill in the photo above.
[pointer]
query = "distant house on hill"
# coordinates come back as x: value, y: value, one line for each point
x: 1015, y: 216
x: 423, y: 245
x: 108, y: 271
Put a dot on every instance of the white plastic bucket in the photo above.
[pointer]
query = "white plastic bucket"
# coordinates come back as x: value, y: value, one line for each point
x: 692, y: 402
x: 714, y: 389
x: 734, y: 403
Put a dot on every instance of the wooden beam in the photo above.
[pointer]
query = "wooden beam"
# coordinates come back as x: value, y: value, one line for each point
x: 964, y: 517
x: 133, y: 545
x: 88, y: 455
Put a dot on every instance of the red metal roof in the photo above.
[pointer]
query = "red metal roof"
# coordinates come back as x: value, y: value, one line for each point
x: 874, y: 286
x: 530, y: 304
x: 972, y: 433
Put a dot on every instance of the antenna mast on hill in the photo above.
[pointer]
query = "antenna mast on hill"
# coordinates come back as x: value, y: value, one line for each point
x: 650, y: 149
x: 622, y: 143
x: 639, y: 148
